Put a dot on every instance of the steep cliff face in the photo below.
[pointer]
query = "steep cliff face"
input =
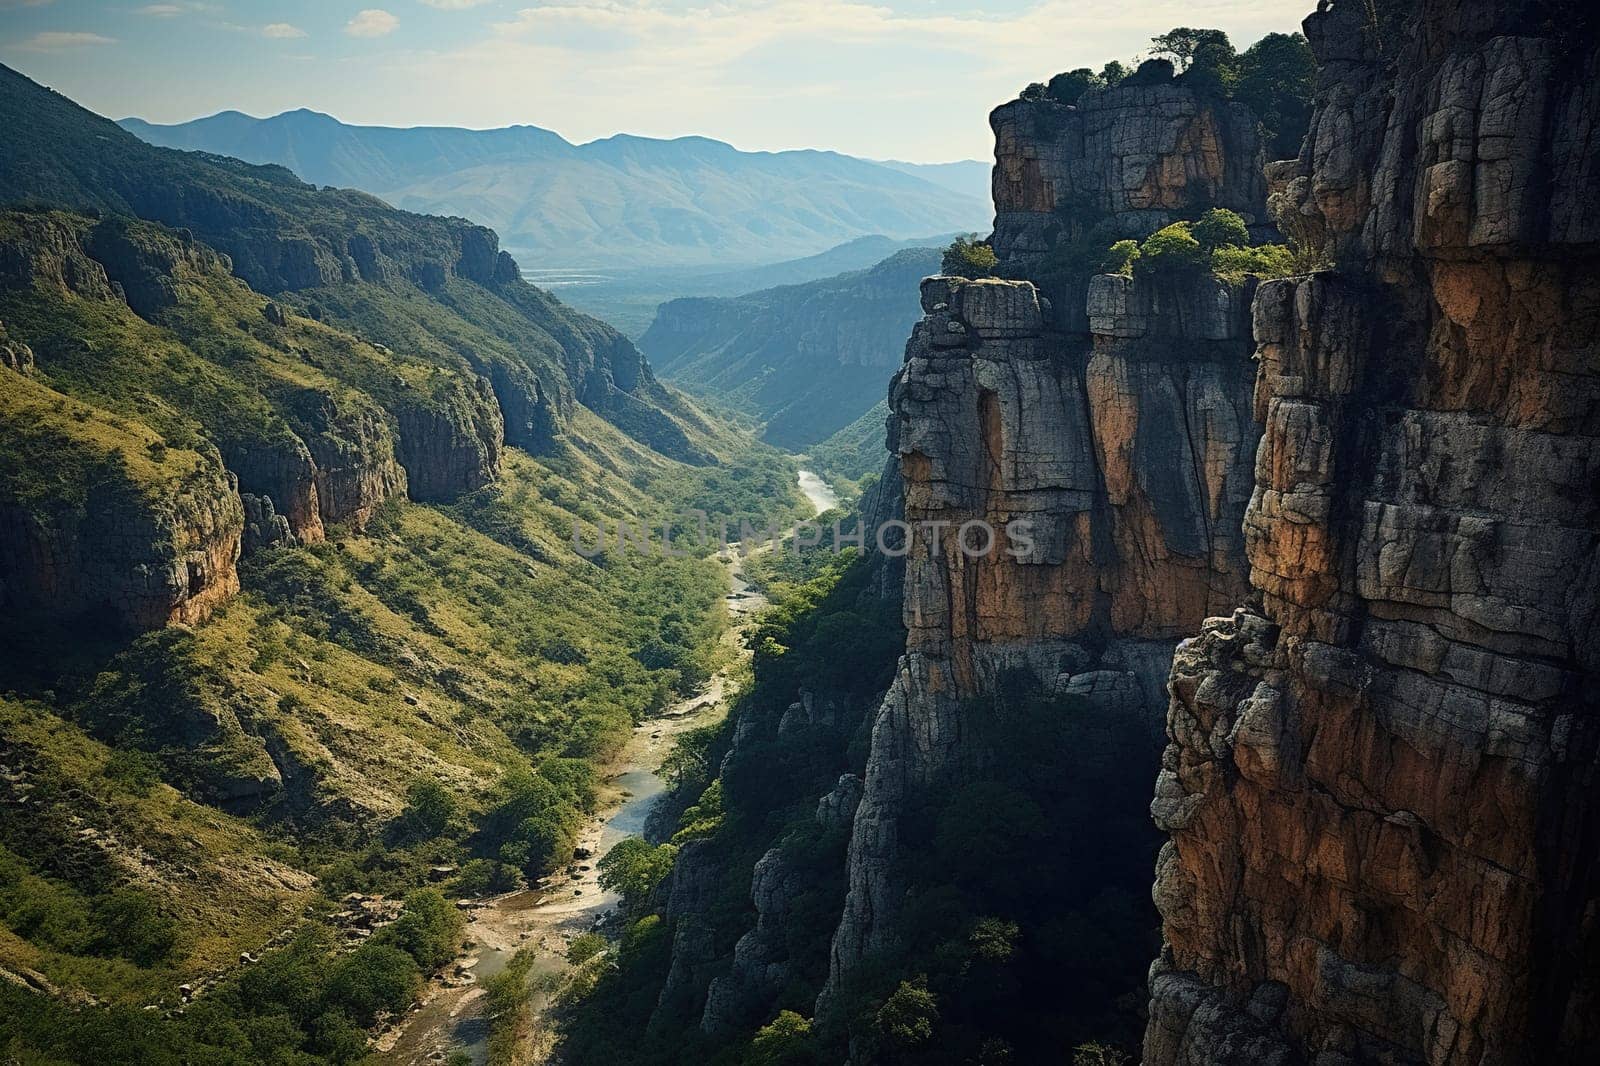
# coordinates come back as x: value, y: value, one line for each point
x: 140, y: 539
x: 1381, y: 781
x: 146, y: 331
x: 1133, y: 159
x: 1117, y: 426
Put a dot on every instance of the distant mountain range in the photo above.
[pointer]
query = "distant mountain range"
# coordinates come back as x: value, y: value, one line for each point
x: 807, y: 360
x: 622, y: 201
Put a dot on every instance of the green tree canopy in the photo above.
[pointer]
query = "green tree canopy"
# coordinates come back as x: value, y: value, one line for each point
x: 633, y: 869
x: 1276, y: 76
x: 1067, y: 87
x: 1172, y: 247
x: 785, y: 1041
x: 1184, y: 44
x: 907, y: 1018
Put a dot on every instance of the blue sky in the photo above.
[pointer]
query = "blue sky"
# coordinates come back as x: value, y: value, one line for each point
x: 907, y: 79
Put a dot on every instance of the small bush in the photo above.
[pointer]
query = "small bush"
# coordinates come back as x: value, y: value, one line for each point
x: 908, y: 1017
x: 1120, y: 258
x: 785, y: 1041
x: 968, y: 257
x: 1263, y: 261
x: 585, y: 947
x: 429, y: 809
x: 1219, y: 227
x: 1171, y: 248
x: 134, y: 928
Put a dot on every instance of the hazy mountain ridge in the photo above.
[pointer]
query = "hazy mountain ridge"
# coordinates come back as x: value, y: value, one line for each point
x: 621, y: 200
x: 806, y: 359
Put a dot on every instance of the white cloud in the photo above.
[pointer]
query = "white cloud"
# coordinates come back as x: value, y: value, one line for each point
x: 454, y: 5
x: 373, y: 22
x: 281, y: 30
x: 58, y: 41
x: 872, y: 77
x: 166, y: 11
x: 7, y: 5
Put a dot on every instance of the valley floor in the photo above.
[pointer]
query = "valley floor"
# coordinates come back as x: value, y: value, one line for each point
x: 549, y: 916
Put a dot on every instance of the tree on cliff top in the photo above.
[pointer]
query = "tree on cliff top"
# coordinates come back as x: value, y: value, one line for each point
x: 1185, y: 46
x: 1067, y: 87
x: 1273, y: 77
x: 1276, y: 77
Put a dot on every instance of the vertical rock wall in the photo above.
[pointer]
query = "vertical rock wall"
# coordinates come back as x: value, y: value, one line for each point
x: 1381, y: 786
x: 1119, y: 428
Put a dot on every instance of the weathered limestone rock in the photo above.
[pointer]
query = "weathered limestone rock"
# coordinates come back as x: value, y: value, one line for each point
x: 1132, y: 158
x: 142, y: 544
x: 451, y: 442
x: 1127, y: 452
x: 352, y: 448
x: 1381, y: 784
x: 263, y: 526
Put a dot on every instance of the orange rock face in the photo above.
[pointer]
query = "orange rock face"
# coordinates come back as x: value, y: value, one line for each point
x: 1381, y: 782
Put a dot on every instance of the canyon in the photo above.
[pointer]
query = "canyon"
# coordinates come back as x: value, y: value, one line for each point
x: 1274, y: 739
x: 1319, y: 552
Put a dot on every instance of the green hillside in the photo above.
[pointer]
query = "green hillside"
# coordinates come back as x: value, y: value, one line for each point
x: 289, y: 604
x: 805, y: 360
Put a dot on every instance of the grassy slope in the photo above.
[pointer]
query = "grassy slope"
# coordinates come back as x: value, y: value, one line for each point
x: 456, y: 644
x: 855, y: 452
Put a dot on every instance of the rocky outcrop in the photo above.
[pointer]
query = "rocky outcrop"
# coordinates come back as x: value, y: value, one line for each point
x: 1126, y: 454
x: 142, y: 262
x: 1382, y: 774
x: 14, y: 354
x: 139, y: 541
x: 354, y: 468
x: 452, y: 442
x: 1125, y: 161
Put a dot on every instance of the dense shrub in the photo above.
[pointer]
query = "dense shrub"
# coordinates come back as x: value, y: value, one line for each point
x: 1263, y: 261
x: 968, y: 257
x: 785, y: 1041
x: 1171, y: 248
x: 428, y: 811
x: 1220, y: 226
x: 428, y: 929
x: 1067, y: 87
x: 371, y: 980
x: 1120, y: 257
x: 633, y: 868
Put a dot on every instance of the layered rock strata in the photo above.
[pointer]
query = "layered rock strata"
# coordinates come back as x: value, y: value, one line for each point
x: 140, y: 544
x: 1133, y: 159
x: 1126, y: 454
x: 1381, y: 782
x: 1111, y: 416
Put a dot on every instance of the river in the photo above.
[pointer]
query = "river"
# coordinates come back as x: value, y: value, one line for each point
x: 549, y: 915
x: 818, y: 492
